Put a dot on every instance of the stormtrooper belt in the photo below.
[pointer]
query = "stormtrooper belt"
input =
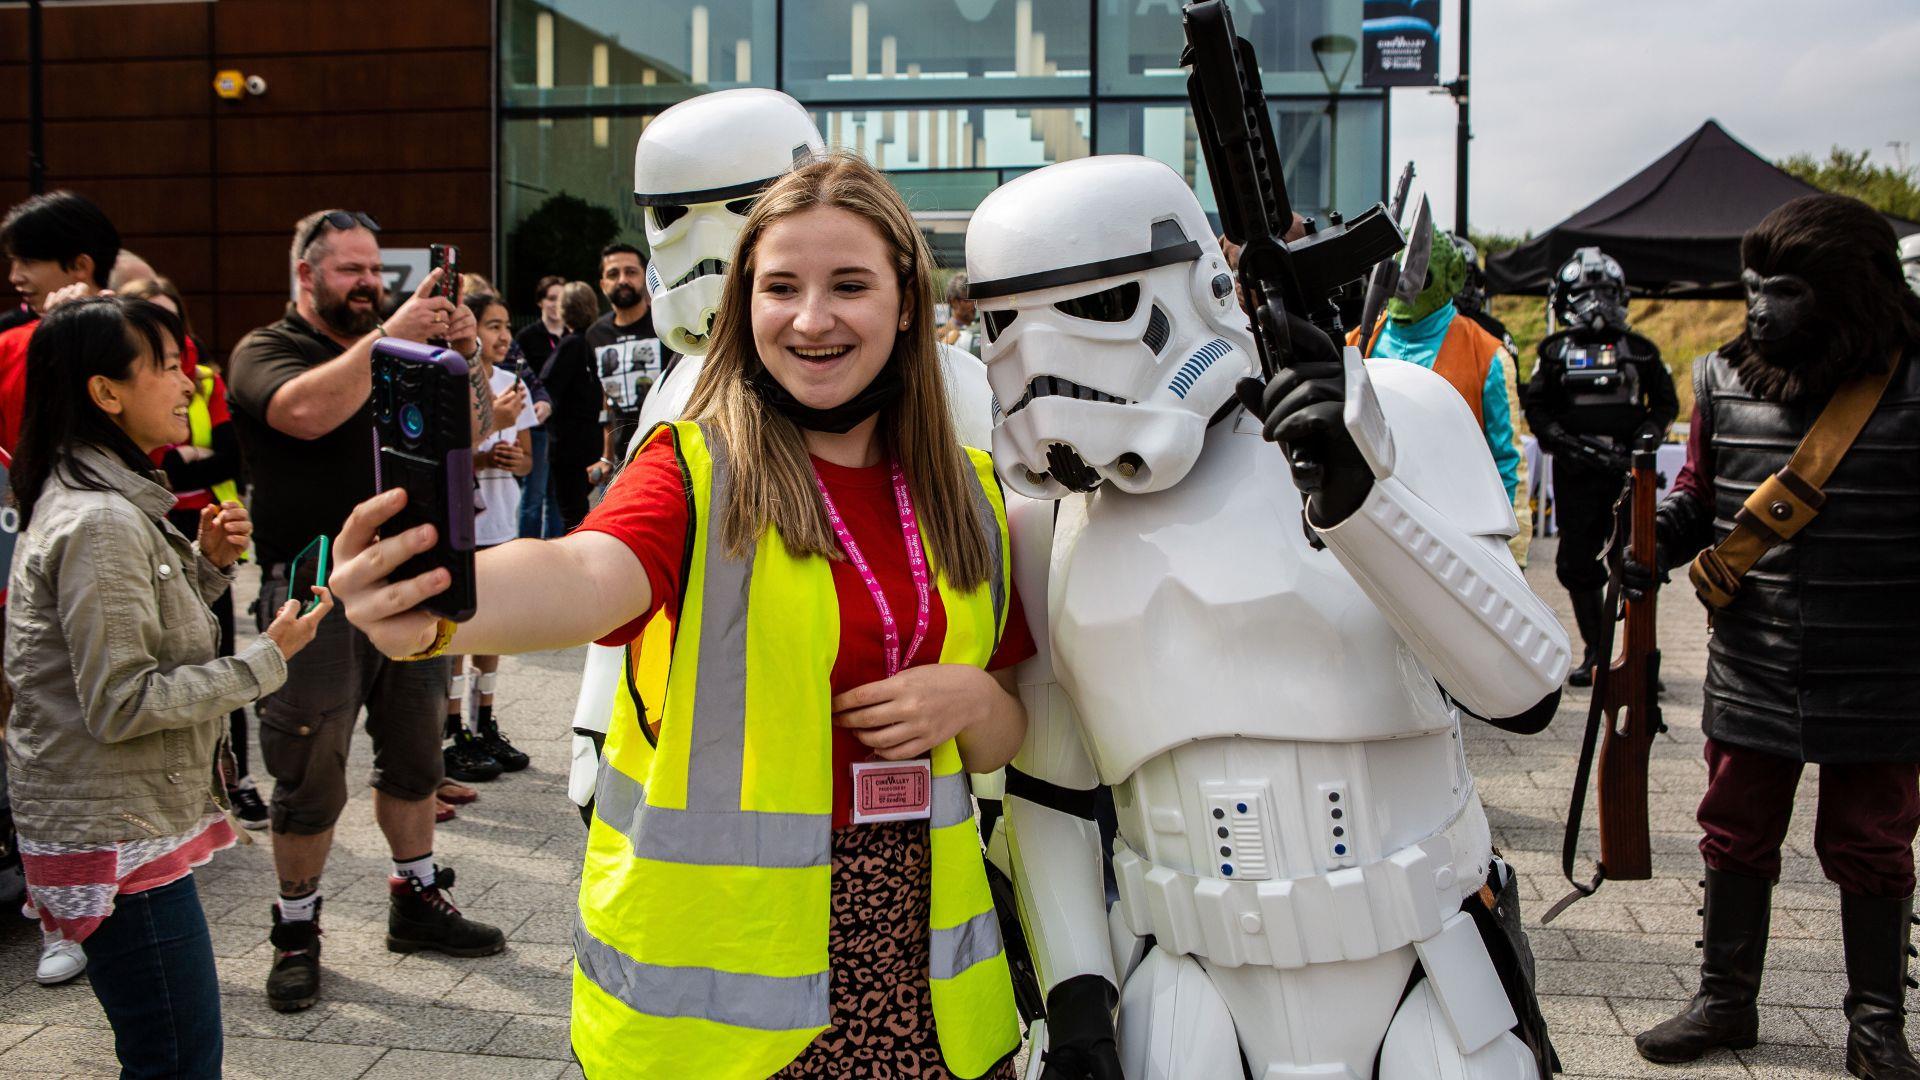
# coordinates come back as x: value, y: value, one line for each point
x: 1353, y: 913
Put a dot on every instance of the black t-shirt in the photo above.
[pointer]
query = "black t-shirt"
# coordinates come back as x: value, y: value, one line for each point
x: 537, y: 344
x: 302, y: 488
x: 574, y: 424
x: 629, y: 358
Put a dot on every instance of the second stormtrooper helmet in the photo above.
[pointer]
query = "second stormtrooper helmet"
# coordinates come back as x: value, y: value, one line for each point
x: 1589, y: 292
x: 1113, y: 337
x: 696, y: 186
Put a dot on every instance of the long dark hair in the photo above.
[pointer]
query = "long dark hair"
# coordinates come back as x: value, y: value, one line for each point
x: 102, y: 335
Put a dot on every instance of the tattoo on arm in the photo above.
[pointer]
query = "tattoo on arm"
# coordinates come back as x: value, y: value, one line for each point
x: 482, y: 403
x: 299, y: 888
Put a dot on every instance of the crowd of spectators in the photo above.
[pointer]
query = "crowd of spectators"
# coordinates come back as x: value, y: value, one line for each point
x: 147, y: 474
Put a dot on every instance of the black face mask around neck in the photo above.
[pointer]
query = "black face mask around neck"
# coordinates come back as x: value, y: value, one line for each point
x: 840, y: 419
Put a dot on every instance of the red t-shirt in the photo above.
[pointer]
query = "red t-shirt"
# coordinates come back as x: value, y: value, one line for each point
x: 646, y: 509
x: 13, y: 382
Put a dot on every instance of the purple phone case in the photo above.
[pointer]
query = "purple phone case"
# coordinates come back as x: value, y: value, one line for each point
x: 459, y: 462
x: 458, y: 491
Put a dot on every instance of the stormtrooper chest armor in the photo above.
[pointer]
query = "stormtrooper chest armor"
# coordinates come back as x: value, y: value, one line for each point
x: 1203, y: 611
x: 1231, y: 678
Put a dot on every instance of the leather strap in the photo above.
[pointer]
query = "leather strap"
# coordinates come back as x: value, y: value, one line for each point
x: 1787, y: 501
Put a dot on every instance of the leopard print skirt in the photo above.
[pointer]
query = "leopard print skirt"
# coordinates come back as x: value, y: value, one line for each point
x: 877, y: 949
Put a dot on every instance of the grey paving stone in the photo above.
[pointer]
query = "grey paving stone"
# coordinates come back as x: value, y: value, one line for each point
x: 520, y: 994
x: 76, y: 1051
x: 67, y: 1005
x: 248, y: 1015
x: 533, y: 1036
x: 281, y: 1059
x: 410, y: 1027
x: 532, y: 958
x: 1578, y: 1015
x: 426, y: 1065
x: 12, y: 1034
x: 1576, y: 977
x: 1829, y: 1025
x: 1776, y: 1062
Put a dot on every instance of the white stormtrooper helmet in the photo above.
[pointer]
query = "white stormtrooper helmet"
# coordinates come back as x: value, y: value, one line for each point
x: 696, y: 169
x: 1910, y: 260
x: 1113, y: 336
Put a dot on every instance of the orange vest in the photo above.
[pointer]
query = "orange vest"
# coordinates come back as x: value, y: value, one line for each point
x: 1466, y: 354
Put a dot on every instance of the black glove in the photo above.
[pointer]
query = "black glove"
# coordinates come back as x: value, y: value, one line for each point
x: 1080, y: 1042
x: 1300, y: 408
x: 1637, y: 579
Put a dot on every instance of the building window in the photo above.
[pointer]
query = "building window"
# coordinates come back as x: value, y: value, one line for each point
x: 960, y: 135
x: 912, y: 50
x: 1140, y: 43
x: 599, y: 53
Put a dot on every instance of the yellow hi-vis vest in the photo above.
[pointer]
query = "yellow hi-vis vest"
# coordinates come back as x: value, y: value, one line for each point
x: 701, y: 944
x: 200, y: 422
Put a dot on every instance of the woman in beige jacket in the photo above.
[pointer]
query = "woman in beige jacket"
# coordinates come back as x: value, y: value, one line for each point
x: 120, y: 700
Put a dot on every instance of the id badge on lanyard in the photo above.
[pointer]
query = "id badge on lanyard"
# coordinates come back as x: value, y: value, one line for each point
x: 890, y: 790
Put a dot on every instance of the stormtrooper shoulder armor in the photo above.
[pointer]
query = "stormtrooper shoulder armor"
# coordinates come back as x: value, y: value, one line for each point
x: 1428, y: 547
x: 1439, y: 453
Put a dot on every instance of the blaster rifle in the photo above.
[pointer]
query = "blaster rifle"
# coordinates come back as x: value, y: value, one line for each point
x: 1381, y: 282
x: 1625, y: 712
x: 1236, y: 134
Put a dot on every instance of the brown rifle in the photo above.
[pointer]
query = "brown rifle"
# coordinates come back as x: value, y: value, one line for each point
x: 1625, y: 713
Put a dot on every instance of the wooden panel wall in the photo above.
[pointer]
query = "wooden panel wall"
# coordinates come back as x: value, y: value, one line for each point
x: 370, y: 105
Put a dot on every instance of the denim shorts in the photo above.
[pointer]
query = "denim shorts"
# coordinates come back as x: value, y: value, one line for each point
x: 306, y: 726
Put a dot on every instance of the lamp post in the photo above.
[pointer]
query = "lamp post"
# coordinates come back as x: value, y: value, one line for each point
x: 1329, y: 51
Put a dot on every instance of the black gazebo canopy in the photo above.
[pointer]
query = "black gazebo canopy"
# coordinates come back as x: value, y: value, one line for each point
x: 1675, y: 227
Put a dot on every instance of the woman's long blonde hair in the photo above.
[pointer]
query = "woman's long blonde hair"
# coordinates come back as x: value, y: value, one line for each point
x: 772, y: 478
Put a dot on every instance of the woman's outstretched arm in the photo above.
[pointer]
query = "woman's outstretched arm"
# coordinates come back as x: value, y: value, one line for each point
x: 532, y: 594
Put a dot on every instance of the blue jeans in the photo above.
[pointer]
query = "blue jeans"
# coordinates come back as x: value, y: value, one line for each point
x: 536, y: 495
x: 151, y: 965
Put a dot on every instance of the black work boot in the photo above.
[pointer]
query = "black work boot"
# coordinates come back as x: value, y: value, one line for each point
x: 294, y: 982
x: 1874, y: 930
x: 1734, y: 948
x: 1590, y: 616
x: 510, y: 757
x: 421, y: 918
x: 466, y: 758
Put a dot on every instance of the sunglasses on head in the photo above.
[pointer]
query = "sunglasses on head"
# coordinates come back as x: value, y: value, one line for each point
x: 339, y: 219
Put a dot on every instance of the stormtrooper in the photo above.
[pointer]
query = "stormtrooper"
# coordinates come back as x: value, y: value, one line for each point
x: 1270, y: 684
x: 696, y: 170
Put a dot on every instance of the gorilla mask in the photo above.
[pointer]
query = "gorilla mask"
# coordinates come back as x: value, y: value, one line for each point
x: 1825, y: 299
x: 1780, y: 310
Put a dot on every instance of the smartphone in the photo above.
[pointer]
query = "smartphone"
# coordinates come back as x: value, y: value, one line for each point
x: 423, y: 442
x: 310, y: 568
x: 445, y: 257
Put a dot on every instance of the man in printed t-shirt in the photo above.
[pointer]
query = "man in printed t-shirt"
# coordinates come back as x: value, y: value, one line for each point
x: 625, y: 350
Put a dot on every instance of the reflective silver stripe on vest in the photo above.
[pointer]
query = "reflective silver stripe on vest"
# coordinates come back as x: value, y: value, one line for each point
x: 761, y: 1002
x: 958, y: 948
x: 951, y: 805
x: 990, y: 525
x: 738, y: 838
x: 720, y: 685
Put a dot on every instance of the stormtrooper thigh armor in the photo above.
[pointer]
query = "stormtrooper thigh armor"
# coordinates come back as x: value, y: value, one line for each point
x: 1297, y: 825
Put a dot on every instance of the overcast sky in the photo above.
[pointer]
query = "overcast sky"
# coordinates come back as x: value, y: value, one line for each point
x: 1570, y: 97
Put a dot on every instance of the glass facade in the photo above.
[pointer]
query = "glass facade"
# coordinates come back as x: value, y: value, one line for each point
x: 951, y: 97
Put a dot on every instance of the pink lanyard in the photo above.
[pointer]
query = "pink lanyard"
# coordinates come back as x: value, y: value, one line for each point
x: 916, y: 564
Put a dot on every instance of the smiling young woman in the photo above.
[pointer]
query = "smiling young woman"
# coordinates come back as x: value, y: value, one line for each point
x: 783, y: 851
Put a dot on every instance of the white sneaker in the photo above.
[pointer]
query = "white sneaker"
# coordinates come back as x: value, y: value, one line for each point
x: 60, y: 961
